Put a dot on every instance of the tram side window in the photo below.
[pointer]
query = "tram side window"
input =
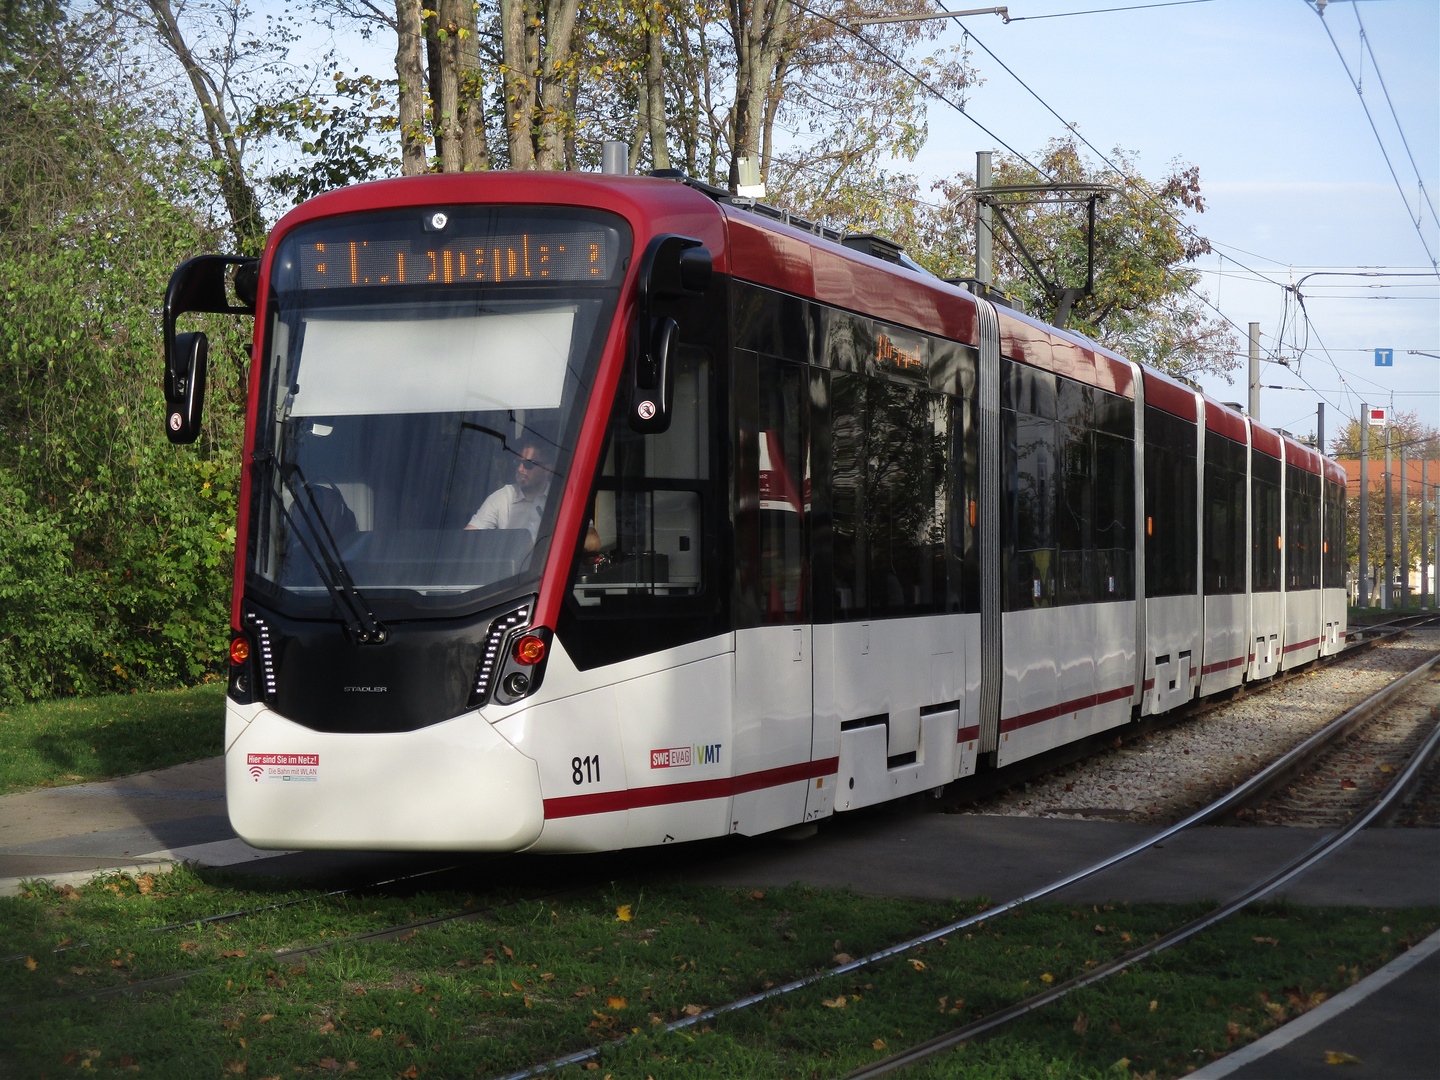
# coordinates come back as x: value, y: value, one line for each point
x: 1027, y: 518
x: 1264, y: 522
x: 1302, y: 529
x: 782, y: 441
x: 1335, y: 556
x: 1224, y: 515
x: 1170, y: 525
x: 1114, y: 497
x: 889, y: 511
x: 1075, y: 523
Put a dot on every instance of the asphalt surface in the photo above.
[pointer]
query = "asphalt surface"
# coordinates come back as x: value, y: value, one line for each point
x: 1391, y: 1030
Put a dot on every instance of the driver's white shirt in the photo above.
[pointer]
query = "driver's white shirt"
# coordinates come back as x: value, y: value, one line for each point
x: 508, y: 508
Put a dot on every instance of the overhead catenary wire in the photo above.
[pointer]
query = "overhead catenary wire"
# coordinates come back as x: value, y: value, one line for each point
x: 1384, y: 153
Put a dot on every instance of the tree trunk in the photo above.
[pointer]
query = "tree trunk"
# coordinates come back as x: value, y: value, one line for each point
x: 239, y: 196
x: 434, y: 54
x: 655, y: 83
x: 447, y: 104
x: 474, y: 148
x: 411, y: 74
x: 519, y: 89
x: 760, y: 34
x: 554, y: 75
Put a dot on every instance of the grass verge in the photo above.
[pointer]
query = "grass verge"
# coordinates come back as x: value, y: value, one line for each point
x: 53, y: 743
x: 529, y: 979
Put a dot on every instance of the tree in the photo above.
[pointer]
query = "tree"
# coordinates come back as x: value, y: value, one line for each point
x: 1144, y: 303
x: 115, y: 548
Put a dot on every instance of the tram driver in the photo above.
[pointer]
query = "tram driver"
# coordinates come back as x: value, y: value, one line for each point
x: 521, y: 505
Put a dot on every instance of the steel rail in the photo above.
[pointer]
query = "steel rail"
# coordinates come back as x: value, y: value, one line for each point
x: 1226, y: 804
x: 1300, y: 864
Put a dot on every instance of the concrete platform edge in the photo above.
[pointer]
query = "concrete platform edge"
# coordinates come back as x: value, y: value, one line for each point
x: 1321, y: 1014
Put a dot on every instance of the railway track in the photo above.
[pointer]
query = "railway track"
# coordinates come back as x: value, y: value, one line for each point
x: 1243, y: 795
x: 1164, y: 773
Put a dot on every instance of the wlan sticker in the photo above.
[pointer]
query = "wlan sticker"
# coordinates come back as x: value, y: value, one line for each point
x: 284, y: 768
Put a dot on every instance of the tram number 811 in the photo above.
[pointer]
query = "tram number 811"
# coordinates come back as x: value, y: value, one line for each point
x: 580, y: 769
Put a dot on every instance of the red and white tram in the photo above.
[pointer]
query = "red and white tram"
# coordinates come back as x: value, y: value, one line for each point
x: 583, y: 512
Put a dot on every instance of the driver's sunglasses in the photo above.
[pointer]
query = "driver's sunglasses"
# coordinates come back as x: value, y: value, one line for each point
x: 526, y: 463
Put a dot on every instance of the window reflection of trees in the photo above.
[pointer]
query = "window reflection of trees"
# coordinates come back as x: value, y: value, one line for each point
x: 890, y: 444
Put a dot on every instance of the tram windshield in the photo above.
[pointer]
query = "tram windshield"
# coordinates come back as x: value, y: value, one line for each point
x: 425, y: 375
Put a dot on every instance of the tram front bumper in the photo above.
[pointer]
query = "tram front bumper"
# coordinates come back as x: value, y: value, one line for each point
x: 454, y: 786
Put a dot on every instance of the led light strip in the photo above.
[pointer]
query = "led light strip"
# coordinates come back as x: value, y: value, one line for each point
x: 491, y: 656
x: 267, y: 653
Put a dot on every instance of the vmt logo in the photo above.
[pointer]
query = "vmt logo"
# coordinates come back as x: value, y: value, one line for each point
x: 707, y: 755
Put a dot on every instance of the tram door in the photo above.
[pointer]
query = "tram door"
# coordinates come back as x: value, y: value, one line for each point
x: 773, y: 640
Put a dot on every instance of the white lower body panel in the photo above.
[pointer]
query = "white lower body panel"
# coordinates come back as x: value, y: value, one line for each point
x: 1335, y: 617
x: 1223, y: 664
x: 1302, y: 628
x: 1264, y: 643
x: 454, y: 786
x: 1174, y: 628
x: 1069, y: 672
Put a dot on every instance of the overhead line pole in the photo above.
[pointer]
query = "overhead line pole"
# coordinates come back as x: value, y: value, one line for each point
x: 1364, y: 554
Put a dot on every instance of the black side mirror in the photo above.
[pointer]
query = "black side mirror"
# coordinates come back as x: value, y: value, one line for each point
x: 672, y: 267
x: 185, y: 387
x: 199, y: 285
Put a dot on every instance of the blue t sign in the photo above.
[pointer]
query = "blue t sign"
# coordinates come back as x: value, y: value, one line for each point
x: 1384, y: 357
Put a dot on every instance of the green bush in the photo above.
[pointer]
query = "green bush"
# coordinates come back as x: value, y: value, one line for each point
x: 115, y: 547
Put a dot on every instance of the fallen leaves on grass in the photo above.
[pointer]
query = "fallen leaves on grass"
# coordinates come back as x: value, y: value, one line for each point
x: 189, y: 946
x: 1047, y: 978
x: 327, y: 1027
x: 918, y: 965
x: 837, y: 1002
x: 266, y: 1018
x: 1082, y: 1022
x: 616, y: 1002
x: 693, y: 1010
x: 878, y: 1044
x: 622, y: 913
x: 30, y: 964
x: 1266, y: 941
x: 233, y: 952
x: 842, y: 958
x: 757, y: 895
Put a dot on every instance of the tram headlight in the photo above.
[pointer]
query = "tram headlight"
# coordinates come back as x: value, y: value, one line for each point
x: 530, y: 649
x: 517, y: 683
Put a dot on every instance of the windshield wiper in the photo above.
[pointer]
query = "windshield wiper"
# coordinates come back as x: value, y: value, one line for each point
x: 329, y: 564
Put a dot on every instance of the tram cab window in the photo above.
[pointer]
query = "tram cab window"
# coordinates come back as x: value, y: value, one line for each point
x: 644, y: 570
x: 1264, y: 522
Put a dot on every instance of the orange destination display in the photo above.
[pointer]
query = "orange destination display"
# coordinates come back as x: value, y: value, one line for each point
x: 530, y: 257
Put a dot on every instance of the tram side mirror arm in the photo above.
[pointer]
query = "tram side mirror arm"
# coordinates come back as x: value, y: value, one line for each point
x: 199, y: 285
x: 671, y: 268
